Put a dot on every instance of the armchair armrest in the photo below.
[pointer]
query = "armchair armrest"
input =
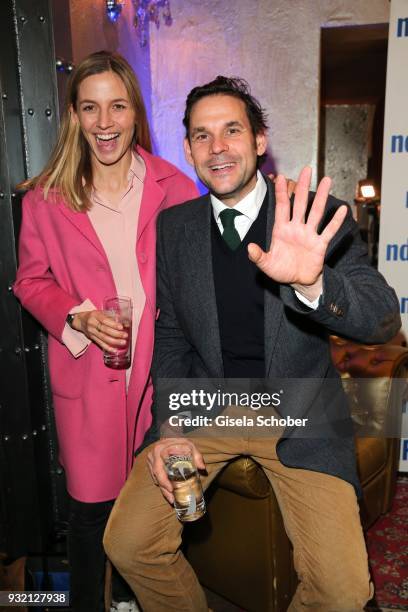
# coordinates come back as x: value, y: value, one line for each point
x: 375, y: 380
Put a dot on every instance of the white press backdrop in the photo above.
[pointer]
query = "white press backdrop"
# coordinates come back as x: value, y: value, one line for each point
x: 393, y: 248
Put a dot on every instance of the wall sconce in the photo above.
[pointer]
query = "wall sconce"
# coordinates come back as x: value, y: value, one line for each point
x: 368, y: 216
x: 64, y: 66
x: 146, y: 11
x: 113, y: 10
x: 366, y: 191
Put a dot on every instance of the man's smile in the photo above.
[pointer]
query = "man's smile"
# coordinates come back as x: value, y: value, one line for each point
x: 222, y: 168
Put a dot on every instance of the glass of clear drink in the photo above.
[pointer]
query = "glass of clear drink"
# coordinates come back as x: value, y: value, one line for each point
x: 119, y: 308
x: 189, y: 502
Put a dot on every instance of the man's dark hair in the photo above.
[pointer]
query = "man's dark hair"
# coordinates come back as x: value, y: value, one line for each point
x: 236, y: 87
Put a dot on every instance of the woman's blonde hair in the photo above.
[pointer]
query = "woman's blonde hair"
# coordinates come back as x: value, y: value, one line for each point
x: 68, y: 172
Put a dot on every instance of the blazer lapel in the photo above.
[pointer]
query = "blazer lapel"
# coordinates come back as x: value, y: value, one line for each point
x: 273, y: 307
x: 198, y: 234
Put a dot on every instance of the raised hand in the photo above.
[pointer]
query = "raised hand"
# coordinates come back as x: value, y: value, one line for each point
x: 297, y: 251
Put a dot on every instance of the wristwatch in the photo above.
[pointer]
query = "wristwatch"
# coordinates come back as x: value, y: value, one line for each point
x: 70, y: 319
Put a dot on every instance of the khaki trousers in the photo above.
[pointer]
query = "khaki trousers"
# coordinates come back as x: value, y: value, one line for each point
x: 320, y: 513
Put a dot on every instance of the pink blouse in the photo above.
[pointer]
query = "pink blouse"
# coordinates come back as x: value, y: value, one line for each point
x: 116, y: 229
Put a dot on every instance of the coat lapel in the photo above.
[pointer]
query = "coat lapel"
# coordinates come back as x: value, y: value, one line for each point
x: 198, y: 234
x: 153, y: 195
x: 152, y: 198
x: 82, y: 223
x: 273, y: 307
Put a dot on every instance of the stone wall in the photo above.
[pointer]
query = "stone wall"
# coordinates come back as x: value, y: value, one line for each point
x: 274, y: 44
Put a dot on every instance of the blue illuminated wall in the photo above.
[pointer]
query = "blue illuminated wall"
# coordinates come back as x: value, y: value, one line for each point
x: 274, y: 45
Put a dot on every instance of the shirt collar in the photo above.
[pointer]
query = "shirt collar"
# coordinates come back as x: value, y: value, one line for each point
x: 137, y: 171
x: 137, y: 168
x: 250, y: 205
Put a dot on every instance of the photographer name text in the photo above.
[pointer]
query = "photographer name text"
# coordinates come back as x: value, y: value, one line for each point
x: 221, y: 420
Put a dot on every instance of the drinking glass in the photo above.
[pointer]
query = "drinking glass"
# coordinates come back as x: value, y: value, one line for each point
x: 119, y: 308
x: 189, y: 502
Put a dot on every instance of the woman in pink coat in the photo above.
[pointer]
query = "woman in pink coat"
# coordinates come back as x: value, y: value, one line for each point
x: 88, y: 232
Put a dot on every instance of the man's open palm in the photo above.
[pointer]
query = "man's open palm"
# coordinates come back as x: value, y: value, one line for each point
x: 297, y: 251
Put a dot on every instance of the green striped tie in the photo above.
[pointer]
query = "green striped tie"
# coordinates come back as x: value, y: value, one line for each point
x: 230, y: 234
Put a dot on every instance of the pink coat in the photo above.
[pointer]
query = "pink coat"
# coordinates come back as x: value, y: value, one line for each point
x: 62, y: 262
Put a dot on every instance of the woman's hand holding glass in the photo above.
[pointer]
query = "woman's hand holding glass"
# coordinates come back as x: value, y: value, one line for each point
x: 103, y: 330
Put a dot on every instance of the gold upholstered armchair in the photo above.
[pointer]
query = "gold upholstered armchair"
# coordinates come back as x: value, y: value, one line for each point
x: 240, y: 549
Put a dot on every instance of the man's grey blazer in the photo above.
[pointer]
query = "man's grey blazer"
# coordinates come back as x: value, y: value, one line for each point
x: 357, y: 303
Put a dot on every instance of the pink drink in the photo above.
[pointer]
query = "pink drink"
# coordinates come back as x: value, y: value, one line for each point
x: 120, y: 309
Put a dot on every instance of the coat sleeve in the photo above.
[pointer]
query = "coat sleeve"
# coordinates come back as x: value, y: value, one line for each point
x: 35, y: 285
x: 356, y: 302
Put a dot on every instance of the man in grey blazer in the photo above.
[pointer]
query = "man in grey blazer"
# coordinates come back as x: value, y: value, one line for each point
x: 251, y: 286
